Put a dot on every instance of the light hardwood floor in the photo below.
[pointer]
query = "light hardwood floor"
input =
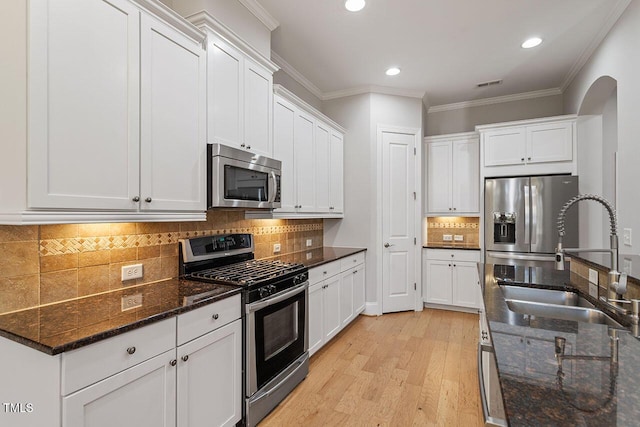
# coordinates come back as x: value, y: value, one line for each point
x: 400, y: 369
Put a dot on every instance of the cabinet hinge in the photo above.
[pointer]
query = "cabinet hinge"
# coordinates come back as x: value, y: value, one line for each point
x: 414, y: 195
x: 415, y: 287
x: 415, y: 151
x: 415, y: 241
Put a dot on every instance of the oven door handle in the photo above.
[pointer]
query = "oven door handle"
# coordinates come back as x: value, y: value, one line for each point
x: 489, y: 419
x: 259, y: 305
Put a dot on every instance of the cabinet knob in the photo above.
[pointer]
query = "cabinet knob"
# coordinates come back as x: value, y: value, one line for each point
x: 248, y: 147
x: 242, y: 145
x: 454, y: 265
x: 174, y: 362
x: 148, y: 200
x: 528, y: 158
x: 185, y: 357
x: 215, y: 316
x: 449, y: 265
x: 455, y: 209
x: 449, y: 208
x: 136, y: 199
x: 131, y: 350
x: 522, y: 159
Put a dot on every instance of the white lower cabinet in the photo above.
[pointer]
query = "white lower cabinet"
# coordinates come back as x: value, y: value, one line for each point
x: 450, y: 278
x: 336, y: 297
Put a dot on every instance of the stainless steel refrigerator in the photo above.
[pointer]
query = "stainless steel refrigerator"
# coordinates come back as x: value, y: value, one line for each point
x: 520, y: 218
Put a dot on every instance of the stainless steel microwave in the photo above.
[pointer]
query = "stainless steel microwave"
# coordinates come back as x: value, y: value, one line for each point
x: 241, y: 179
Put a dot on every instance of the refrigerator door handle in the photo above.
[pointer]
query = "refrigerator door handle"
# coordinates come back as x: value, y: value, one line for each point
x: 534, y: 214
x: 527, y: 215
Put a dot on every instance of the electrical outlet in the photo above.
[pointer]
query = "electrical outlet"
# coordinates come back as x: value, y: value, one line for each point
x: 626, y: 237
x: 309, y: 255
x: 458, y: 238
x: 593, y: 290
x: 131, y: 301
x: 447, y: 237
x: 593, y: 276
x: 309, y: 242
x: 626, y: 266
x: 130, y: 272
x: 277, y: 248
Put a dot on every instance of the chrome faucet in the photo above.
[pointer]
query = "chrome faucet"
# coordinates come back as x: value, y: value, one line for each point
x: 617, y: 281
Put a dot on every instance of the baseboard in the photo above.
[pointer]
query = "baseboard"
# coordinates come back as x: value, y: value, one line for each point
x: 371, y: 309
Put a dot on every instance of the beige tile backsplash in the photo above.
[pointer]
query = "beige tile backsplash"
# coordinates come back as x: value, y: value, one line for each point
x: 468, y: 227
x: 50, y: 263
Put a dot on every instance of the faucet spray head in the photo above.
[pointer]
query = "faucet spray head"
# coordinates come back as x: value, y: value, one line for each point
x: 559, y: 255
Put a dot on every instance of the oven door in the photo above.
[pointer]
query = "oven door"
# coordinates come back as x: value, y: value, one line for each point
x: 490, y: 391
x: 277, y: 335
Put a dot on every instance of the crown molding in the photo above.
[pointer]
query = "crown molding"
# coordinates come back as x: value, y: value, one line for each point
x: 172, y: 17
x: 296, y: 75
x: 495, y: 100
x: 261, y: 13
x: 614, y: 15
x: 204, y: 21
x: 373, y: 89
x: 300, y: 103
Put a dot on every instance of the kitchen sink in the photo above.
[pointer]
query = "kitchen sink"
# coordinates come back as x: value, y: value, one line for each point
x: 555, y: 304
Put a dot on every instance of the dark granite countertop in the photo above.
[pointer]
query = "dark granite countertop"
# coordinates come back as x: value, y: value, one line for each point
x: 592, y: 391
x: 449, y: 245
x: 72, y: 324
x: 629, y: 264
x: 319, y: 256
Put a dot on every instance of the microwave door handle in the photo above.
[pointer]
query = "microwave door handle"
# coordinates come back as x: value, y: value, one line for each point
x: 272, y: 194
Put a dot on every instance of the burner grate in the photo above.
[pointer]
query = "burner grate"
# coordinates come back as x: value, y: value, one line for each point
x: 247, y: 272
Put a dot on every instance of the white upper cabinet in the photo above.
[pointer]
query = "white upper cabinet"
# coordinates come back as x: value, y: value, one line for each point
x: 239, y: 90
x: 98, y: 144
x: 528, y: 147
x: 453, y: 174
x: 310, y: 147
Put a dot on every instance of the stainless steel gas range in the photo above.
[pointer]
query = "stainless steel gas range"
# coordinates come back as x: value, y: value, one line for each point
x: 275, y: 315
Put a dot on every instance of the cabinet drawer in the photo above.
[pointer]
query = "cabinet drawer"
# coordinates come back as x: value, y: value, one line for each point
x: 351, y: 261
x: 87, y: 365
x: 448, y: 255
x: 324, y: 271
x: 203, y: 320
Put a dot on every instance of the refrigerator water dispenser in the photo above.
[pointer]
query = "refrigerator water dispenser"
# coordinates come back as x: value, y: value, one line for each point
x: 504, y: 227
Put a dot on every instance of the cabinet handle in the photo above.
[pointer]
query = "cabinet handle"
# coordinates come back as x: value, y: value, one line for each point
x: 185, y: 357
x: 215, y: 316
x: 136, y: 199
x: 173, y: 362
x: 131, y: 350
x: 148, y: 200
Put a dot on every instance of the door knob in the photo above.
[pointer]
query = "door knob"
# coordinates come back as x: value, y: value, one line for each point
x: 387, y: 245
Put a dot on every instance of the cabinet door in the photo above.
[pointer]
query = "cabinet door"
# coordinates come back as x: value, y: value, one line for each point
x: 224, y: 92
x: 141, y: 396
x: 465, y: 187
x: 439, y: 286
x: 316, y: 314
x: 305, y: 162
x: 173, y: 106
x: 258, y: 105
x: 210, y: 378
x: 83, y: 104
x: 504, y: 146
x: 322, y: 146
x: 551, y: 142
x: 284, y: 115
x: 439, y: 177
x: 336, y: 190
x: 331, y: 296
x: 359, y: 289
x: 346, y: 297
x: 466, y: 289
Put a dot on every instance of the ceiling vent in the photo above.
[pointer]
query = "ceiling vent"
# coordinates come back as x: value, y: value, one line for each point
x: 491, y: 83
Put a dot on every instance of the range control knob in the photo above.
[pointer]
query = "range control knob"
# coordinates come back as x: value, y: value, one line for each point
x: 272, y: 288
x: 263, y: 292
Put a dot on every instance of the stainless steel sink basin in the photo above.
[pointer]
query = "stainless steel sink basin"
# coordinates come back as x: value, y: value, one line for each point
x: 554, y: 304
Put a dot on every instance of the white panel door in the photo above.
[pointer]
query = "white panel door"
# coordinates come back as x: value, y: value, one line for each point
x: 141, y: 396
x: 346, y: 297
x: 439, y: 177
x: 438, y: 286
x: 336, y: 190
x: 551, y: 142
x: 305, y: 162
x: 504, y: 147
x: 398, y: 222
x: 258, y: 108
x: 284, y: 115
x: 210, y: 378
x: 322, y: 147
x: 224, y: 92
x: 173, y: 128
x: 331, y: 296
x: 84, y: 74
x: 465, y: 176
x: 466, y: 289
x: 316, y: 317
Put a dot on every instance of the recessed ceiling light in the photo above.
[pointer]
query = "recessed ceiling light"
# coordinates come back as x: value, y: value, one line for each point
x: 393, y: 71
x: 532, y: 42
x: 354, y: 5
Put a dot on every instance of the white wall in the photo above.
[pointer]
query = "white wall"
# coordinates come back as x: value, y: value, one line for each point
x: 234, y: 15
x: 589, y: 129
x: 617, y: 56
x: 466, y: 119
x: 361, y: 115
x: 282, y: 78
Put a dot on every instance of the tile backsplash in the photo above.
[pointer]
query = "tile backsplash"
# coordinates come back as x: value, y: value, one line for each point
x: 467, y: 227
x: 44, y: 264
